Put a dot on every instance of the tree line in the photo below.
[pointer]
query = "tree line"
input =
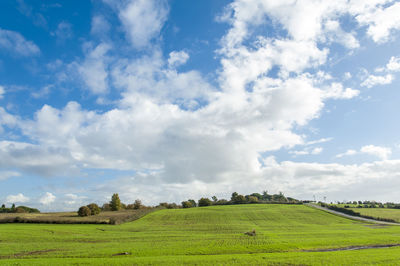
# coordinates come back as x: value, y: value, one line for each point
x: 18, y: 209
x: 115, y: 203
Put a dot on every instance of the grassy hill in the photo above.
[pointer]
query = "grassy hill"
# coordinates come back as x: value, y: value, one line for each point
x: 393, y: 214
x: 209, y: 235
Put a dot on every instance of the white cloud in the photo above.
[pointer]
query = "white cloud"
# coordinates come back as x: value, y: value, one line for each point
x: 393, y: 64
x: 317, y: 150
x: 177, y: 58
x: 2, y: 92
x: 63, y: 31
x: 19, y: 198
x: 347, y: 153
x: 311, y: 142
x: 314, y: 151
x: 8, y: 174
x: 373, y: 80
x: 100, y: 25
x: 381, y: 152
x: 47, y: 199
x: 381, y: 21
x: 16, y: 43
x: 336, y: 91
x: 94, y: 71
x: 142, y: 19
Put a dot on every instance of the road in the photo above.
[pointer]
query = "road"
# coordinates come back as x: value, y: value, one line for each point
x: 349, y: 216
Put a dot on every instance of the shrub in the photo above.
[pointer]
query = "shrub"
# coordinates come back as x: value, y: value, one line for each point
x: 204, y: 202
x: 94, y: 208
x: 84, y: 211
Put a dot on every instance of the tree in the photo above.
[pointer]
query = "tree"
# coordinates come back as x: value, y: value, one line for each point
x: 138, y: 204
x: 186, y: 204
x: 94, y: 208
x: 115, y: 202
x: 3, y: 206
x: 106, y: 207
x: 84, y: 211
x: 194, y: 204
x: 234, y: 195
x: 13, y: 208
x: 214, y: 198
x: 204, y: 202
x: 253, y: 199
x: 238, y: 199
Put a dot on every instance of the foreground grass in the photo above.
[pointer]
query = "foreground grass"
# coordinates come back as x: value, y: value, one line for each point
x: 185, y: 236
x: 393, y: 214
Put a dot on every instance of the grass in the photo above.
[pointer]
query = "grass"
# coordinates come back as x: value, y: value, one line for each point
x: 209, y: 235
x: 386, y: 213
x: 107, y: 217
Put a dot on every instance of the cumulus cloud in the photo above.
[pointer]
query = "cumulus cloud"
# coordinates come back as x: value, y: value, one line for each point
x: 393, y: 64
x: 47, y: 198
x: 381, y: 152
x: 373, y: 80
x: 177, y: 58
x: 14, y: 42
x: 142, y: 19
x: 19, y: 198
x: 93, y: 70
x: 381, y: 20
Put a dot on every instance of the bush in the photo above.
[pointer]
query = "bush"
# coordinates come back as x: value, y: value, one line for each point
x: 205, y: 202
x: 84, y: 211
x: 94, y: 208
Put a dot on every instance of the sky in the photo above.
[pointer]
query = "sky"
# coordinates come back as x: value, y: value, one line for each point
x: 169, y: 100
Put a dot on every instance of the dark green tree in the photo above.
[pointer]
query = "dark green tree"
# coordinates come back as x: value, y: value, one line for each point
x: 194, y: 204
x: 137, y: 204
x: 186, y: 204
x: 84, y: 211
x: 115, y: 202
x: 94, y: 208
x: 204, y: 202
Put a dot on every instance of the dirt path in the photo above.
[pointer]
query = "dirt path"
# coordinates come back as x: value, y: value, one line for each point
x: 349, y: 216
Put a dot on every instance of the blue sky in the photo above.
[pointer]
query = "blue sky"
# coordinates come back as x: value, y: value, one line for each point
x: 169, y: 100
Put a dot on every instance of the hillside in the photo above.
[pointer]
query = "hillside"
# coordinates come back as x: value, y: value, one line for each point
x: 284, y: 234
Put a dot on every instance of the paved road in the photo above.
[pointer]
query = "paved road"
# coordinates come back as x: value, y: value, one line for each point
x: 349, y: 216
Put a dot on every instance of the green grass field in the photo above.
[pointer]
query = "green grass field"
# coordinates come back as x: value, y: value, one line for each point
x: 393, y: 214
x: 209, y: 235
